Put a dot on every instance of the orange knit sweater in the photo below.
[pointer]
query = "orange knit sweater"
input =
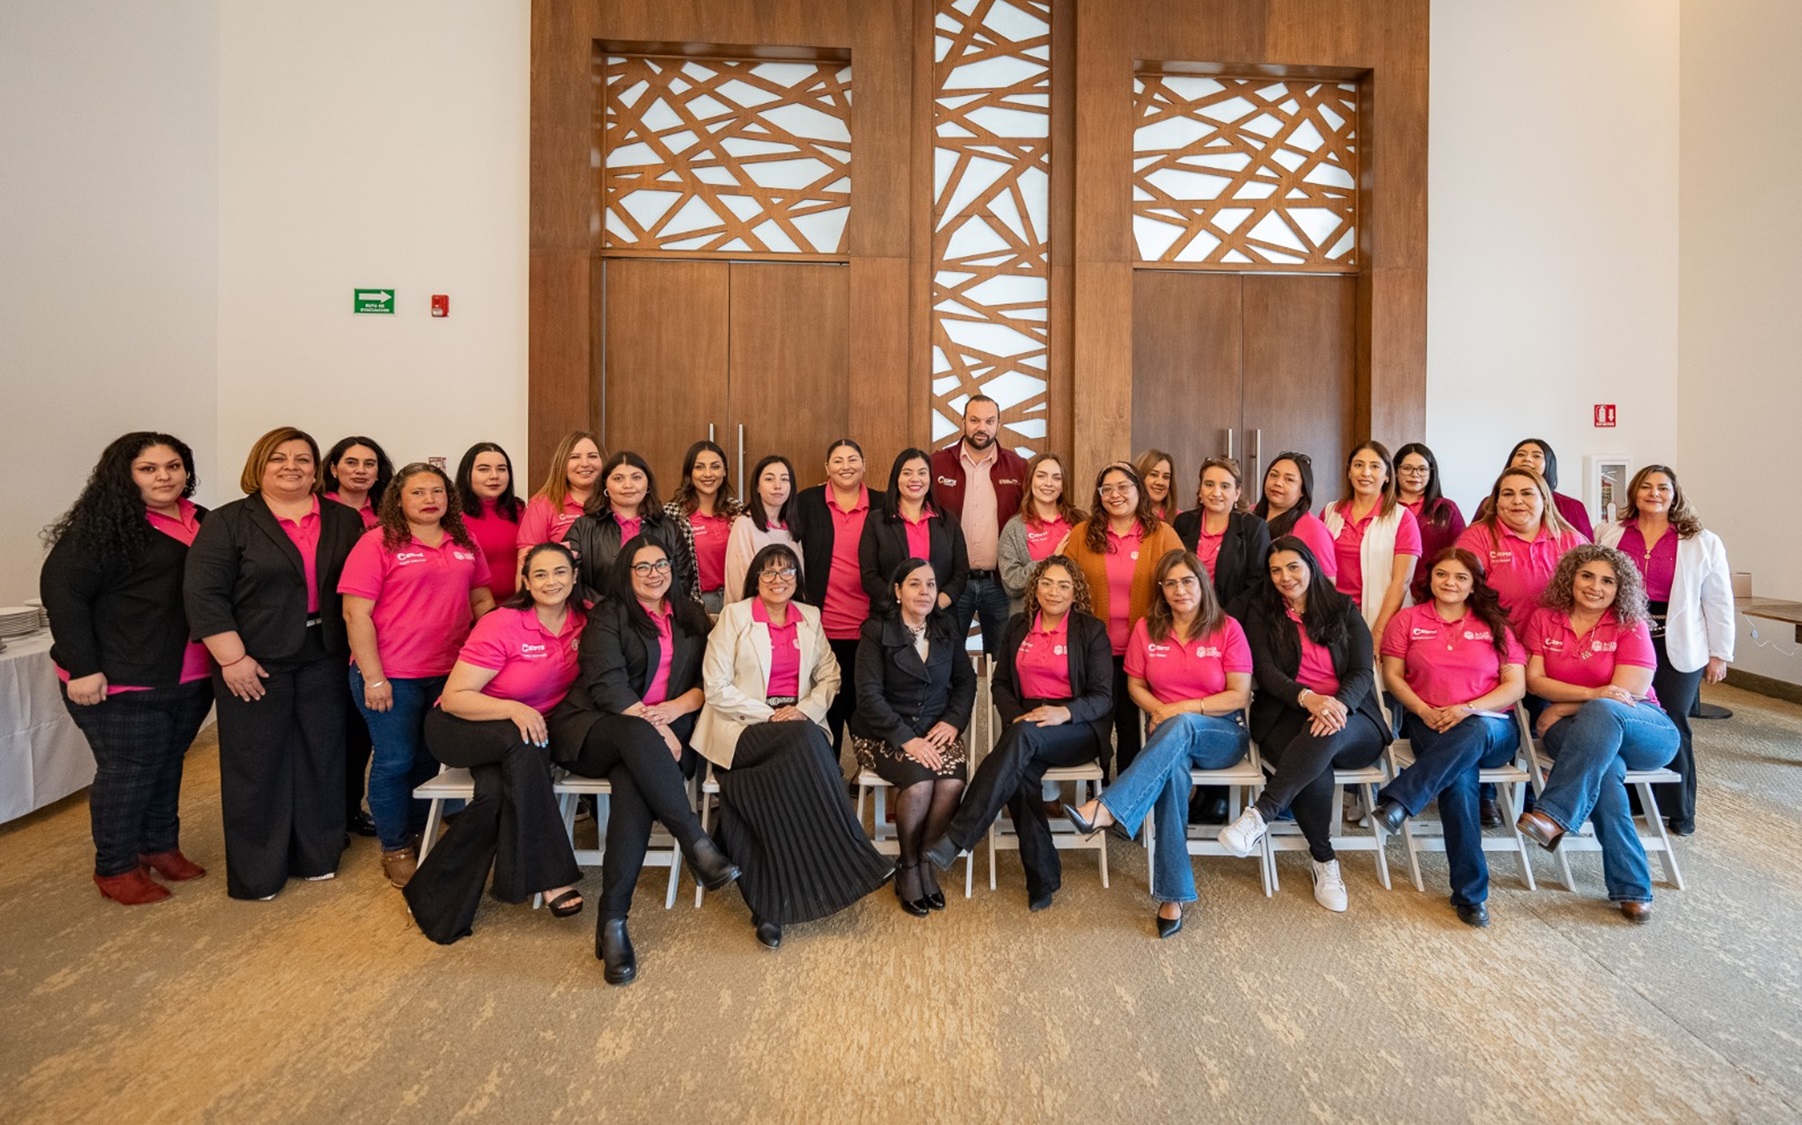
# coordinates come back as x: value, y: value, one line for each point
x: 1094, y: 568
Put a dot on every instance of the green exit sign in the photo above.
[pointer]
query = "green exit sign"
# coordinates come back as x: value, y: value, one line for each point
x: 373, y: 301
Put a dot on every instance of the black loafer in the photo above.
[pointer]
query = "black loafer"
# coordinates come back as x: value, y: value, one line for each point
x: 1040, y: 902
x: 713, y: 868
x: 1476, y: 914
x: 1168, y: 926
x: 768, y: 933
x: 614, y: 947
x: 361, y: 823
x: 1389, y: 816
x: 1489, y: 812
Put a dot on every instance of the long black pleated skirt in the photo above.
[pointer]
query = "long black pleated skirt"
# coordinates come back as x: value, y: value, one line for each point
x: 785, y: 819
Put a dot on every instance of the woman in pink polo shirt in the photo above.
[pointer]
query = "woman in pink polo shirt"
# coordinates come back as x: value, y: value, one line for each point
x: 1456, y: 667
x: 703, y: 512
x: 357, y: 472
x: 1035, y: 532
x: 1590, y: 656
x: 412, y: 588
x: 133, y: 682
x: 1519, y: 542
x: 1376, y: 541
x: 569, y: 487
x: 764, y: 522
x: 1287, y: 503
x: 1417, y: 489
x: 907, y: 524
x: 492, y: 513
x: 512, y: 672
x: 1188, y: 667
x: 1157, y: 470
x: 829, y: 519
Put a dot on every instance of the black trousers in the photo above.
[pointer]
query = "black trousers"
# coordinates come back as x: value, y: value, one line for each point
x: 845, y: 702
x: 281, y: 773
x: 649, y: 785
x: 1126, y: 721
x: 1677, y: 693
x: 1303, y: 779
x: 1011, y: 775
x: 139, y: 740
x: 357, y: 747
x: 512, y: 825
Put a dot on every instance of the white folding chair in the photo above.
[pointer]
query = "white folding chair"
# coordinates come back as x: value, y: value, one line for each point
x: 1286, y: 836
x: 882, y: 830
x: 449, y: 785
x: 663, y: 851
x: 1243, y: 783
x: 1653, y: 836
x: 709, y: 788
x: 1426, y: 832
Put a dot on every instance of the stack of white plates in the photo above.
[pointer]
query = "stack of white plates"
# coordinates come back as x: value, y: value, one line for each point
x: 18, y: 620
x: 43, y: 614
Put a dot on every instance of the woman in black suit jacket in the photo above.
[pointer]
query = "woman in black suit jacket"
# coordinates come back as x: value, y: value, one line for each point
x: 1237, y: 541
x: 628, y: 718
x: 886, y: 542
x: 1316, y: 707
x: 1054, y: 688
x: 262, y: 592
x: 915, y: 689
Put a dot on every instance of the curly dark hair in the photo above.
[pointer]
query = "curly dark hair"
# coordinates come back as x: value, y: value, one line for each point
x: 507, y: 504
x: 1082, y: 602
x: 107, y: 519
x: 393, y: 520
x: 1094, y: 529
x: 1483, y: 600
x: 1629, y: 589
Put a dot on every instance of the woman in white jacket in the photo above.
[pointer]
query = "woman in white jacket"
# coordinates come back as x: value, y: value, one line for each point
x: 1690, y: 591
x: 770, y: 676
x: 1376, y: 539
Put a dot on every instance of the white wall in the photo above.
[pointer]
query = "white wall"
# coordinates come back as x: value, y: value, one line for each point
x: 1741, y: 220
x: 109, y: 172
x: 1552, y: 249
x: 373, y: 144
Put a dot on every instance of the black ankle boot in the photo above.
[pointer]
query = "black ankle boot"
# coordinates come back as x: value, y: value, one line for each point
x: 713, y: 869
x: 613, y: 945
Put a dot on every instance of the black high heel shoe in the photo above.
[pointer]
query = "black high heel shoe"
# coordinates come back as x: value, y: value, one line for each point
x: 914, y: 906
x: 1167, y: 927
x: 929, y: 888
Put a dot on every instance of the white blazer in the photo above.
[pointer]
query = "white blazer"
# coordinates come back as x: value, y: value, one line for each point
x: 736, y: 673
x: 1376, y: 555
x: 1700, y: 622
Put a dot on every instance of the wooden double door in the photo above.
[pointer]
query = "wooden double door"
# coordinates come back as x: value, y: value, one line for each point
x: 1246, y: 366
x: 754, y: 355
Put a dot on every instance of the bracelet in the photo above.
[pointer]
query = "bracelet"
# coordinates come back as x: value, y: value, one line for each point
x: 238, y: 661
x: 374, y: 683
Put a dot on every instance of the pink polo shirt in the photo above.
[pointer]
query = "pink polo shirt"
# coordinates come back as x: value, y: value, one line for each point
x: 1658, y: 566
x: 532, y: 665
x: 1310, y: 530
x: 1042, y: 539
x: 710, y: 535
x: 785, y: 651
x: 421, y: 596
x: 1207, y: 547
x: 847, y: 606
x: 304, y: 534
x: 1348, y: 548
x: 1042, y: 665
x: 540, y: 524
x: 498, y: 538
x: 628, y: 527
x: 1447, y: 662
x: 658, y: 691
x: 1518, y: 570
x: 367, y: 511
x: 1192, y: 670
x: 1588, y: 661
x: 1122, y: 560
x: 919, y: 534
x: 1317, y: 672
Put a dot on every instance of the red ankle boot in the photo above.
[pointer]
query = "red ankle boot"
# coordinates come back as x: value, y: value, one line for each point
x: 134, y: 888
x: 173, y: 866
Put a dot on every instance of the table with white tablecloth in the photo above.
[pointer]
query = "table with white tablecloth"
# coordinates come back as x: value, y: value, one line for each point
x: 43, y: 755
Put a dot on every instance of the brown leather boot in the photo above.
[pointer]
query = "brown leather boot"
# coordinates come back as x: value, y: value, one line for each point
x: 399, y: 865
x: 134, y: 888
x: 173, y: 866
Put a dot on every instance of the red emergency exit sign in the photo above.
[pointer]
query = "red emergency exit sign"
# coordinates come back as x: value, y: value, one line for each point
x: 1605, y: 415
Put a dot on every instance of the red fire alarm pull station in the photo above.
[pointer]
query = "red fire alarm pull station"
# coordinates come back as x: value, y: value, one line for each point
x: 441, y: 307
x: 1604, y: 410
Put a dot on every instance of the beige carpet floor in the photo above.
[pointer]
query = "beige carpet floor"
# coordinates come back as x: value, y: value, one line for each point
x: 326, y: 1005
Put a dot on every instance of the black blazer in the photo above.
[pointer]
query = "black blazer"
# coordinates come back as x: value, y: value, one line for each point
x: 1244, y: 552
x: 245, y: 574
x: 900, y: 696
x: 1091, y: 677
x: 595, y: 539
x: 884, y: 547
x: 129, y: 624
x: 616, y: 665
x: 1278, y: 694
x: 811, y: 523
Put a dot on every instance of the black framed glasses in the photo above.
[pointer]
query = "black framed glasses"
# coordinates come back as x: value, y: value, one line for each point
x: 646, y: 569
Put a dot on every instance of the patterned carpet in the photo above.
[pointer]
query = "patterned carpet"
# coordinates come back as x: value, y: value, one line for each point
x: 326, y: 1005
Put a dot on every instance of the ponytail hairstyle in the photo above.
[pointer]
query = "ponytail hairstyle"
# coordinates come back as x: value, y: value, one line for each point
x: 1231, y: 468
x: 1435, y: 512
x: 1389, y: 488
x: 384, y: 468
x: 522, y: 597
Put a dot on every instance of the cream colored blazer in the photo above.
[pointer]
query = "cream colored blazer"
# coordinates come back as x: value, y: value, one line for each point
x: 736, y: 675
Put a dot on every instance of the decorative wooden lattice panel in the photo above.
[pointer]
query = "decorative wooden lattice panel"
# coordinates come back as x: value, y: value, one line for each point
x: 991, y: 211
x: 720, y: 156
x: 1230, y: 173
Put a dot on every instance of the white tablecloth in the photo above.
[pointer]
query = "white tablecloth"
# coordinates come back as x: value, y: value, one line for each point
x: 43, y: 755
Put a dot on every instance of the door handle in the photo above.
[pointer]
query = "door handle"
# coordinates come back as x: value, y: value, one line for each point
x: 710, y: 436
x: 1257, y: 455
x: 1229, y: 443
x: 741, y: 462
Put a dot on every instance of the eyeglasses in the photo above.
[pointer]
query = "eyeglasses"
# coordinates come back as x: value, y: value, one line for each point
x: 1115, y: 489
x: 1057, y: 585
x: 646, y: 569
x: 1412, y: 470
x: 784, y: 574
x: 1187, y: 582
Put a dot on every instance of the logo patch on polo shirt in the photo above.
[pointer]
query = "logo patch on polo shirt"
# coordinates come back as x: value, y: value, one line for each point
x: 405, y: 558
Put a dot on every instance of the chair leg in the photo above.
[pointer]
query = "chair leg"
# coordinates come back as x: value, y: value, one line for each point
x: 1367, y: 793
x: 433, y: 818
x: 1515, y: 797
x: 1413, y: 847
x: 991, y: 857
x: 1666, y: 854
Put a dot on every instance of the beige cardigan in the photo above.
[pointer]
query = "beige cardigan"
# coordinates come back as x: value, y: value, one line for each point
x: 736, y: 672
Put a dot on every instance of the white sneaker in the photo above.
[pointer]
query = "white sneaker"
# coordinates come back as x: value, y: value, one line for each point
x: 1242, y: 835
x: 1329, y: 886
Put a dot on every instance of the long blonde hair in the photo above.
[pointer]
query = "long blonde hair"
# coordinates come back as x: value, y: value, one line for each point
x: 556, y: 481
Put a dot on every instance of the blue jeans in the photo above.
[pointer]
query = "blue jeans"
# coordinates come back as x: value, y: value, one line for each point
x: 987, y: 597
x: 1159, y: 777
x: 1594, y: 749
x: 1445, y: 766
x: 399, y: 762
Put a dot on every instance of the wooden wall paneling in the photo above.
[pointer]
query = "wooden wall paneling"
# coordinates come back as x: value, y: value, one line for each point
x: 885, y: 400
x: 664, y: 376
x: 1188, y: 370
x: 1300, y: 367
x: 1396, y: 412
x: 558, y: 349
x: 686, y: 24
x: 790, y: 362
x: 1060, y: 369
